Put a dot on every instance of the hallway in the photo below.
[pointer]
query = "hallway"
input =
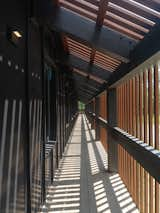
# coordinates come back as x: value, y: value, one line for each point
x: 81, y: 184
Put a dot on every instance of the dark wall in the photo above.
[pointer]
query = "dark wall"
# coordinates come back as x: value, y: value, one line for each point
x: 12, y: 108
x: 35, y: 67
x: 25, y: 168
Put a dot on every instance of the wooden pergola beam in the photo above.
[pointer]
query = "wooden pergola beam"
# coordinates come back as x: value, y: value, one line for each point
x: 103, y: 4
x: 73, y: 25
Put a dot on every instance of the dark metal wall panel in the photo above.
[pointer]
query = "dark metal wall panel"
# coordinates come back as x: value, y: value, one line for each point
x: 12, y: 131
x: 23, y: 166
x: 12, y: 109
x: 35, y: 114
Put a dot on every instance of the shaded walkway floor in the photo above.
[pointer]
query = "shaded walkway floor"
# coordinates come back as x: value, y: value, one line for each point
x: 81, y: 183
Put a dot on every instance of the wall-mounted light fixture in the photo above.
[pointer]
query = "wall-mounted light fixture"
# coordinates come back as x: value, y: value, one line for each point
x: 14, y: 35
x: 17, y: 34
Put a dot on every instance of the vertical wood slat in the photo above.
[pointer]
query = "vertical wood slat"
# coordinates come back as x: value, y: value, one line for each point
x: 140, y: 117
x: 131, y: 105
x: 123, y: 107
x: 121, y: 104
x: 150, y: 110
x: 134, y: 134
x: 128, y: 115
x: 140, y: 105
x: 157, y: 142
x: 131, y: 132
x: 141, y: 137
x: 145, y: 104
x: 134, y: 108
x: 137, y: 135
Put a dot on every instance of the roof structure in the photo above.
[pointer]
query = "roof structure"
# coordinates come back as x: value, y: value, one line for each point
x: 99, y: 36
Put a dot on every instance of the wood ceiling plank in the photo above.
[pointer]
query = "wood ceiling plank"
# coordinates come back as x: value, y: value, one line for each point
x: 92, y: 56
x: 103, y: 4
x: 123, y: 30
x: 126, y: 23
x: 80, y: 52
x: 154, y: 4
x: 132, y: 14
x: 79, y: 11
x: 100, y: 40
x: 103, y: 58
x: 105, y: 63
x: 80, y: 5
x: 130, y: 17
x: 137, y: 10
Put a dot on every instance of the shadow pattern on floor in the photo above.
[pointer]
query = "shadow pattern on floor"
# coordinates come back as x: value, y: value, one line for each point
x: 82, y: 183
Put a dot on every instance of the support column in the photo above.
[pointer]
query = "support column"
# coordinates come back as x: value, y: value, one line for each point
x: 112, y: 121
x: 97, y: 111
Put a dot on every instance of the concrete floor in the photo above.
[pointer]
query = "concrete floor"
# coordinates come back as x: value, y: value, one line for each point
x: 82, y: 183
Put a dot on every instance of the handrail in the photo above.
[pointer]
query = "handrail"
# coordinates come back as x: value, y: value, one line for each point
x: 147, y: 156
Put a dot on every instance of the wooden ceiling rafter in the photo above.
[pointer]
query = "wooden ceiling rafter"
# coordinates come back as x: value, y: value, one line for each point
x: 86, y: 90
x: 105, y: 61
x: 123, y: 30
x: 81, y: 7
x: 77, y: 44
x: 104, y: 64
x: 115, y: 14
x: 78, y: 49
x: 92, y: 56
x: 90, y: 76
x: 131, y: 14
x: 92, y: 88
x: 134, y: 8
x: 130, y: 17
x: 84, y: 94
x: 107, y: 58
x: 65, y: 44
x: 81, y: 52
x: 127, y: 22
x: 101, y: 81
x: 146, y: 8
x: 154, y: 4
x: 110, y: 69
x: 133, y: 19
x: 103, y: 5
x: 80, y: 56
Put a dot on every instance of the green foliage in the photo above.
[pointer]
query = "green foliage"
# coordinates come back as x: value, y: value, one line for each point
x: 81, y: 106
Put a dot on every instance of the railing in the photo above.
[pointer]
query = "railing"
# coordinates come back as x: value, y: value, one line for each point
x: 137, y: 132
x: 138, y: 113
x: 135, y: 159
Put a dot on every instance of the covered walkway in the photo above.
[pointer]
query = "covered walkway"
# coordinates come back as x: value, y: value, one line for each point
x: 82, y: 183
x: 80, y: 106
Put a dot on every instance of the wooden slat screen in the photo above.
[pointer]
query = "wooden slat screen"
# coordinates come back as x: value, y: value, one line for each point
x: 103, y: 114
x: 94, y: 111
x: 138, y: 109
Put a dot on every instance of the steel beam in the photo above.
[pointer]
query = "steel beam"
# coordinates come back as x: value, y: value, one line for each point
x: 86, y: 91
x: 75, y: 62
x: 149, y: 46
x: 144, y: 154
x: 86, y: 31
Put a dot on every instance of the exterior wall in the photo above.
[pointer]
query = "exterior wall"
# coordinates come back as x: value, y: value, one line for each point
x: 12, y: 109
x: 26, y: 168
